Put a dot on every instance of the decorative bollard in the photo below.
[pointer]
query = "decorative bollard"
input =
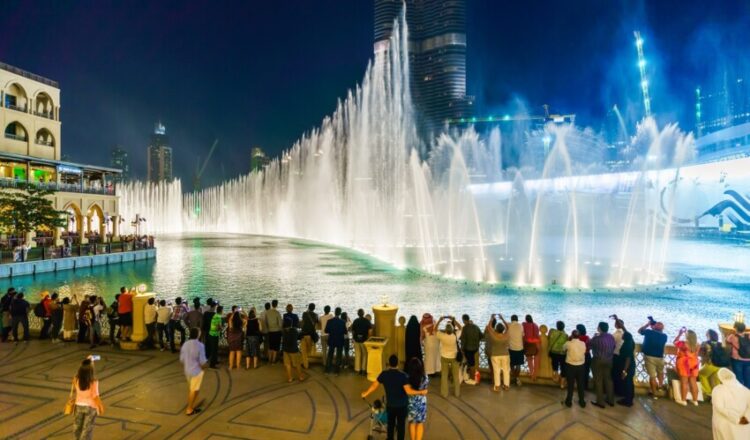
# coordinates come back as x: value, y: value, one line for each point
x: 139, y: 326
x: 375, y: 356
x: 385, y: 326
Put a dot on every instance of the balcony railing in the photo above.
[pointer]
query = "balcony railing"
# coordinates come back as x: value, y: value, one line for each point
x: 43, y: 142
x: 10, y: 253
x: 54, y: 186
x: 48, y: 115
x: 16, y: 137
x: 16, y: 108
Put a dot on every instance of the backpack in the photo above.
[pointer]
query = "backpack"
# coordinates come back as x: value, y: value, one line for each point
x: 719, y: 356
x: 39, y: 310
x: 744, y: 346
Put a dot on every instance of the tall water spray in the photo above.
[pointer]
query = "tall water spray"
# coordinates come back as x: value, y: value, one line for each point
x: 360, y: 181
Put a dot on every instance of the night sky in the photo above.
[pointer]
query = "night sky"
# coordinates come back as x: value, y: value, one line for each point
x: 261, y: 73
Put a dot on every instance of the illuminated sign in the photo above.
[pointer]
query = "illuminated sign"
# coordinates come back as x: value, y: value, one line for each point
x: 68, y: 170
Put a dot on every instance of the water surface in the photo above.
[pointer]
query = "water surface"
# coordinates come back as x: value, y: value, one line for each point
x: 250, y: 270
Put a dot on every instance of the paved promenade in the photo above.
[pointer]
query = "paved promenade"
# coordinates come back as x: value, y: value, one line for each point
x: 144, y: 394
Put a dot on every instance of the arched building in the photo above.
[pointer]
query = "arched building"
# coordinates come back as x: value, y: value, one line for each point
x: 30, y: 153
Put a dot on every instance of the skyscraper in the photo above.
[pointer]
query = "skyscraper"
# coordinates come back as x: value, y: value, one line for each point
x: 119, y: 159
x: 159, y: 155
x: 725, y: 106
x: 437, y: 53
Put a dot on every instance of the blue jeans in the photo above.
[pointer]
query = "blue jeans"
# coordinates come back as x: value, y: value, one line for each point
x: 741, y: 369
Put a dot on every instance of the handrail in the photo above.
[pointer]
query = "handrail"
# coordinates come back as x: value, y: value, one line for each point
x: 6, y: 182
x: 29, y: 75
x: 9, y: 253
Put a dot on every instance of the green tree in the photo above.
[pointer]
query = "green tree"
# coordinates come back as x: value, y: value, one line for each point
x: 29, y: 209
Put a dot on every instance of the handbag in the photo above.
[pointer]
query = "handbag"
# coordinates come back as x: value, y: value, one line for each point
x: 314, y: 335
x: 459, y: 353
x: 71, y: 403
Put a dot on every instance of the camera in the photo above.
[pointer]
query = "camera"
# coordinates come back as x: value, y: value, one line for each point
x: 651, y: 320
x: 96, y: 357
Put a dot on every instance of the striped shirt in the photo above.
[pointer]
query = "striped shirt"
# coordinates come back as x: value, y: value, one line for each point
x: 602, y: 346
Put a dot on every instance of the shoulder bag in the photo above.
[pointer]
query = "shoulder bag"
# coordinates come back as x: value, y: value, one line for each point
x: 459, y: 353
x: 71, y: 403
x: 314, y: 335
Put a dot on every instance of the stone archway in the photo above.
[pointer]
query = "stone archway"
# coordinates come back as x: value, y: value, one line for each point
x: 95, y: 221
x: 75, y: 219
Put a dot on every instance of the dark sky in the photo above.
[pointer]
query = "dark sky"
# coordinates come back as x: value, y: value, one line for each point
x: 259, y: 73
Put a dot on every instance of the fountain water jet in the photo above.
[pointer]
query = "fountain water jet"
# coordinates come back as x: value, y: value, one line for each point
x: 362, y: 180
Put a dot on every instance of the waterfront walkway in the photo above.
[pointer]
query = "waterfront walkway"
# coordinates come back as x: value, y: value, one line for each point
x: 144, y: 394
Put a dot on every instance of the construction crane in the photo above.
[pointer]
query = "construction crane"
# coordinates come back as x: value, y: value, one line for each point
x: 197, y: 178
x: 642, y: 70
x: 199, y: 171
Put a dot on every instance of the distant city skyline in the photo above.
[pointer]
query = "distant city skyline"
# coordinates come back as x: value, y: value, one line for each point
x: 186, y: 66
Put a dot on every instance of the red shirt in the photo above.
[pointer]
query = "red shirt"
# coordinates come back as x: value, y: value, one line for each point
x: 530, y: 332
x: 125, y: 303
x: 47, y: 303
x: 585, y: 339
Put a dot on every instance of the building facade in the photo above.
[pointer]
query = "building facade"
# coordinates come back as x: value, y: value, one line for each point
x: 30, y: 114
x: 30, y: 154
x: 120, y: 159
x: 437, y: 55
x: 725, y: 106
x: 159, y: 155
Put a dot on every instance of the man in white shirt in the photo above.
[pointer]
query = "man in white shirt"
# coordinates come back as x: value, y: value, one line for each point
x: 149, y: 319
x: 575, y: 370
x: 162, y: 321
x: 448, y: 351
x: 515, y: 348
x: 323, y: 336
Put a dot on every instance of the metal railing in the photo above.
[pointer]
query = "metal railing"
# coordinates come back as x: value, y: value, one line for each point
x: 640, y: 378
x: 6, y: 182
x: 48, y: 115
x: 43, y: 142
x: 9, y: 253
x: 16, y: 108
x: 16, y: 137
x: 29, y: 75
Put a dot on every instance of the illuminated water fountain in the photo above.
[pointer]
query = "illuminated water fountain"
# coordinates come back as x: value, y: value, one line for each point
x: 360, y: 181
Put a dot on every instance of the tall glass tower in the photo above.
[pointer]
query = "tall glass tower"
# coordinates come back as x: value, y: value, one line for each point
x: 119, y: 159
x: 159, y: 155
x: 437, y: 51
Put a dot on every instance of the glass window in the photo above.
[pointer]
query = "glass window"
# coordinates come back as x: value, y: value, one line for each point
x: 10, y: 100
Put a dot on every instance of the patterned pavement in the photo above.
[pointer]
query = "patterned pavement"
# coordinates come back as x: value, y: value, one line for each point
x: 144, y: 394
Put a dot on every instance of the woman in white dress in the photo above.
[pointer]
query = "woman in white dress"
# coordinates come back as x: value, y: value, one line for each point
x: 431, y: 345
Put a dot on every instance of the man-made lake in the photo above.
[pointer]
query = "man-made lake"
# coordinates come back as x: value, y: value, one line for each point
x: 250, y: 270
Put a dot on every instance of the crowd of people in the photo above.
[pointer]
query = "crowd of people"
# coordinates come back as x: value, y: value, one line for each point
x: 445, y: 346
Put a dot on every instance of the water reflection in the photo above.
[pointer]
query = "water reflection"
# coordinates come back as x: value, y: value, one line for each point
x: 250, y: 270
